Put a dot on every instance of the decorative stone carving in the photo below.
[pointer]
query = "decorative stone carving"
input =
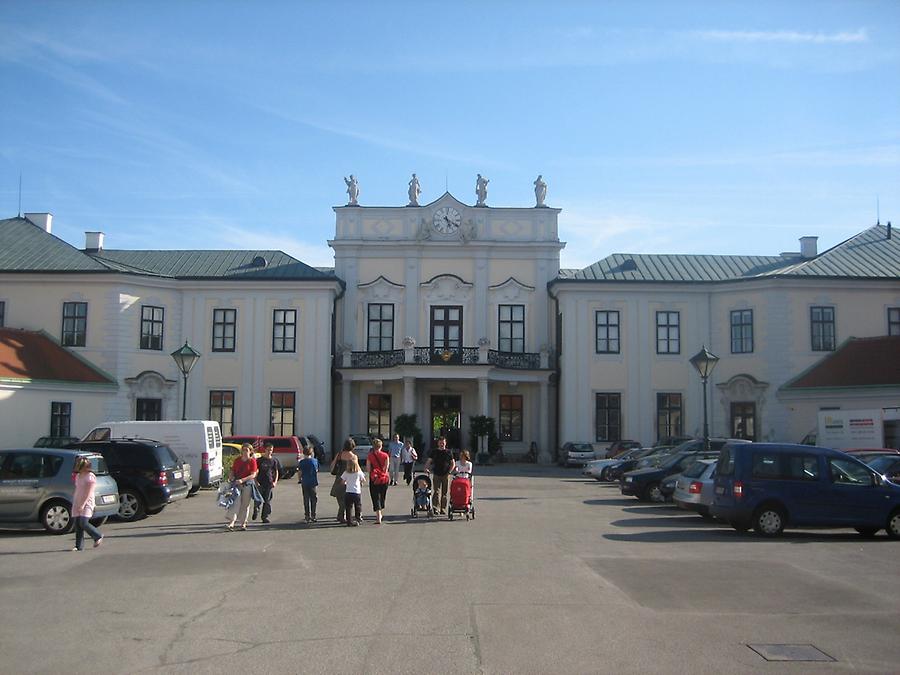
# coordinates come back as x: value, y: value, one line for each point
x: 352, y: 190
x: 484, y: 342
x: 424, y: 231
x: 467, y: 231
x: 409, y: 342
x: 381, y: 289
x: 510, y: 290
x: 414, y: 191
x: 446, y: 287
x: 540, y: 192
x: 481, y: 190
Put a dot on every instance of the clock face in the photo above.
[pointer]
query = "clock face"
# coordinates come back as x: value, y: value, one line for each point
x: 446, y: 220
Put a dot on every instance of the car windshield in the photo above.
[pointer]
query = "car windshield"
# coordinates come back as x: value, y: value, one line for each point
x: 669, y: 461
x: 882, y: 463
x: 695, y: 470
x: 582, y: 447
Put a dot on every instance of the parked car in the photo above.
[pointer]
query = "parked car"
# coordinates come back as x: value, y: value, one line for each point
x: 597, y: 468
x: 770, y: 486
x: 255, y: 441
x: 694, y: 489
x: 36, y: 486
x: 149, y: 474
x: 617, y: 448
x: 576, y: 454
x: 363, y: 447
x: 646, y: 457
x: 317, y: 446
x: 55, y: 441
x: 645, y: 483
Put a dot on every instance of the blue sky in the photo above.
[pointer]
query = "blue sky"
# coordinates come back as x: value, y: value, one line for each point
x: 660, y: 127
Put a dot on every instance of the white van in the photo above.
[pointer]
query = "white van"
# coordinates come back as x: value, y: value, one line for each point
x: 198, y: 442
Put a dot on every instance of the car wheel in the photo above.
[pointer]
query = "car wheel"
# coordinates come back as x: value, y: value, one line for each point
x: 893, y: 525
x: 158, y: 509
x: 56, y: 517
x: 652, y: 493
x: 867, y: 532
x: 131, y: 506
x: 99, y: 522
x: 769, y: 521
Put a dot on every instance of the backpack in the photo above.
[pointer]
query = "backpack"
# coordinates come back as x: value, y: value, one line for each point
x: 378, y: 474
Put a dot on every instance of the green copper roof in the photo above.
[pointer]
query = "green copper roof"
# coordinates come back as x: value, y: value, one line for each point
x: 211, y: 264
x: 25, y: 247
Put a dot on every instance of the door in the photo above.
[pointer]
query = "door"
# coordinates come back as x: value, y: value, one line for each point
x: 446, y: 334
x: 148, y: 409
x: 853, y: 497
x: 743, y: 420
x: 445, y: 418
x: 20, y: 484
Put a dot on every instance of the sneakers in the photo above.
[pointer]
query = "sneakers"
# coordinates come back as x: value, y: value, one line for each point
x: 314, y: 519
x: 255, y: 514
x: 98, y: 542
x: 76, y: 549
x: 265, y: 520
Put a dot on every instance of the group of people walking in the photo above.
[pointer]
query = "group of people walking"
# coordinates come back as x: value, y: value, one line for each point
x: 252, y: 481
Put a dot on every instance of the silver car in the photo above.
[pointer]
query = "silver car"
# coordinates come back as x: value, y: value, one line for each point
x: 694, y: 490
x: 36, y: 486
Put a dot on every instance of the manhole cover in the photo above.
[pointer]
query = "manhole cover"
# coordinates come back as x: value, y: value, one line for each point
x: 790, y: 653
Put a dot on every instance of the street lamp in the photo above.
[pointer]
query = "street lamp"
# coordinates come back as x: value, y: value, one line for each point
x: 705, y: 362
x: 185, y: 358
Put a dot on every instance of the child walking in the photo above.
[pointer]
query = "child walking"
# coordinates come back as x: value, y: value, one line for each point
x: 83, y: 504
x: 309, y: 482
x: 354, y: 479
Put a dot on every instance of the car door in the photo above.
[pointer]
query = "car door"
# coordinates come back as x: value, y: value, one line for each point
x: 21, y: 474
x: 853, y: 496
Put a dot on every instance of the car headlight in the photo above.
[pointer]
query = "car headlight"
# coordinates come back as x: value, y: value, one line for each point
x: 628, y: 479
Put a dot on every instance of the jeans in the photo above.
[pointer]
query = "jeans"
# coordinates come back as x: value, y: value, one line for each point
x: 310, y: 499
x: 354, y: 500
x: 407, y: 471
x: 394, y: 469
x: 378, y: 493
x: 440, y: 484
x: 82, y: 525
x: 267, y: 492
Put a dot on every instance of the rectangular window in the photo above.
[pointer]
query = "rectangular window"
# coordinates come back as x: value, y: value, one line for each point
x: 668, y: 333
x: 60, y: 418
x: 281, y: 413
x: 2, y: 313
x: 668, y: 415
x: 152, y: 327
x: 893, y: 319
x: 511, y: 334
x: 822, y: 328
x: 446, y: 326
x: 607, y: 332
x: 284, y: 330
x: 510, y: 418
x: 74, y: 324
x: 379, y: 416
x: 743, y: 420
x: 221, y: 409
x: 742, y: 331
x: 224, y: 329
x: 608, y: 418
x: 148, y: 409
x: 380, y: 327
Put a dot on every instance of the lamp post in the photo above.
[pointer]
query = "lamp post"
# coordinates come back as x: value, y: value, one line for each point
x: 704, y: 361
x: 185, y: 358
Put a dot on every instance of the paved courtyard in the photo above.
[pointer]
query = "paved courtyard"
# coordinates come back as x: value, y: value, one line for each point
x: 556, y: 575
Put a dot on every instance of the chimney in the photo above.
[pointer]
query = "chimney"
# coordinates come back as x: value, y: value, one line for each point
x: 889, y: 230
x: 808, y: 247
x: 42, y: 220
x: 93, y: 242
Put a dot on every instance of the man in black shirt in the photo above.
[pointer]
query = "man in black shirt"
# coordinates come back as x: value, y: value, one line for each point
x: 267, y: 478
x: 441, y: 463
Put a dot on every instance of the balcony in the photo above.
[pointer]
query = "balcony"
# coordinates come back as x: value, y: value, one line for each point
x: 447, y: 356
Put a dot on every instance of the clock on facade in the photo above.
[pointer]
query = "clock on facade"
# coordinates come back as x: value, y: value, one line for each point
x: 446, y: 220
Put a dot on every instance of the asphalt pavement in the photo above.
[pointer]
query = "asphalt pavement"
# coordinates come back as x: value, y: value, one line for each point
x: 557, y: 574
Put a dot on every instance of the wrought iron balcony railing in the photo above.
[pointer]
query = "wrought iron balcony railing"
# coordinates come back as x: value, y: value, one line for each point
x: 447, y: 356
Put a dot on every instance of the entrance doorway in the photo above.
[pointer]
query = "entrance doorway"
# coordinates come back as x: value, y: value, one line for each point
x: 445, y: 418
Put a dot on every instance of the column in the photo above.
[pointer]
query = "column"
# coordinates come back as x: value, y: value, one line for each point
x: 545, y: 456
x: 345, y: 411
x: 409, y: 395
x: 483, y: 401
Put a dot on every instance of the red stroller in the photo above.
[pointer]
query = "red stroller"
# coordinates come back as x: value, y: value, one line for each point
x: 462, y: 496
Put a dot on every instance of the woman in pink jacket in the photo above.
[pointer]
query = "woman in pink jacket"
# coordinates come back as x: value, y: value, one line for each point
x: 83, y: 504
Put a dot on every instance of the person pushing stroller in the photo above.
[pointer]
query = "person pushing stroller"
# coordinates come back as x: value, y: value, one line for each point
x: 441, y: 463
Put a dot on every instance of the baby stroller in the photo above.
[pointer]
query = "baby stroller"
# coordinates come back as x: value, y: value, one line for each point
x: 462, y: 496
x: 421, y: 487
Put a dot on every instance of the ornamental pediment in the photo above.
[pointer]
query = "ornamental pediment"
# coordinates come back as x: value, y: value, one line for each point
x: 510, y: 290
x: 381, y: 289
x: 446, y: 287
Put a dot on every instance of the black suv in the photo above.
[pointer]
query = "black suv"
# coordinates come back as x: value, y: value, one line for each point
x: 148, y: 473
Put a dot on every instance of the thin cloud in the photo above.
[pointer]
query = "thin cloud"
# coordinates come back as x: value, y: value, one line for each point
x: 783, y: 36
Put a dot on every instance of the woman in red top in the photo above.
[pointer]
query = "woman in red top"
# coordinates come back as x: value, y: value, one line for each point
x: 377, y: 464
x: 242, y: 474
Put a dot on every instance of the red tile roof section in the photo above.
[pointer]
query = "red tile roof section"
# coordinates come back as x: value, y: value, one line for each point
x: 32, y: 355
x: 859, y: 362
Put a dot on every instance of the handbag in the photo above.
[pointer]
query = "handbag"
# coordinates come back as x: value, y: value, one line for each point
x: 338, y: 468
x: 378, y: 474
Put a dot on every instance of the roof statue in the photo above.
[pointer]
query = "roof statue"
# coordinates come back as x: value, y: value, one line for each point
x: 352, y: 190
x: 414, y: 191
x: 481, y: 190
x: 540, y: 191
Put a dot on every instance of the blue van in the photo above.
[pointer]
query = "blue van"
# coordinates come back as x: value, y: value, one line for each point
x: 768, y: 486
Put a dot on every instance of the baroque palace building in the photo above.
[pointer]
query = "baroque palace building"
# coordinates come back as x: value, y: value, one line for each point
x: 446, y: 311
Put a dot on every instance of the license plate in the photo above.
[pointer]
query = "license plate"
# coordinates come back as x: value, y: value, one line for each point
x: 176, y: 474
x: 108, y: 499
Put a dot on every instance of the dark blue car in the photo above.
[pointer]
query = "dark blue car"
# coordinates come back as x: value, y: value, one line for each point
x: 769, y: 486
